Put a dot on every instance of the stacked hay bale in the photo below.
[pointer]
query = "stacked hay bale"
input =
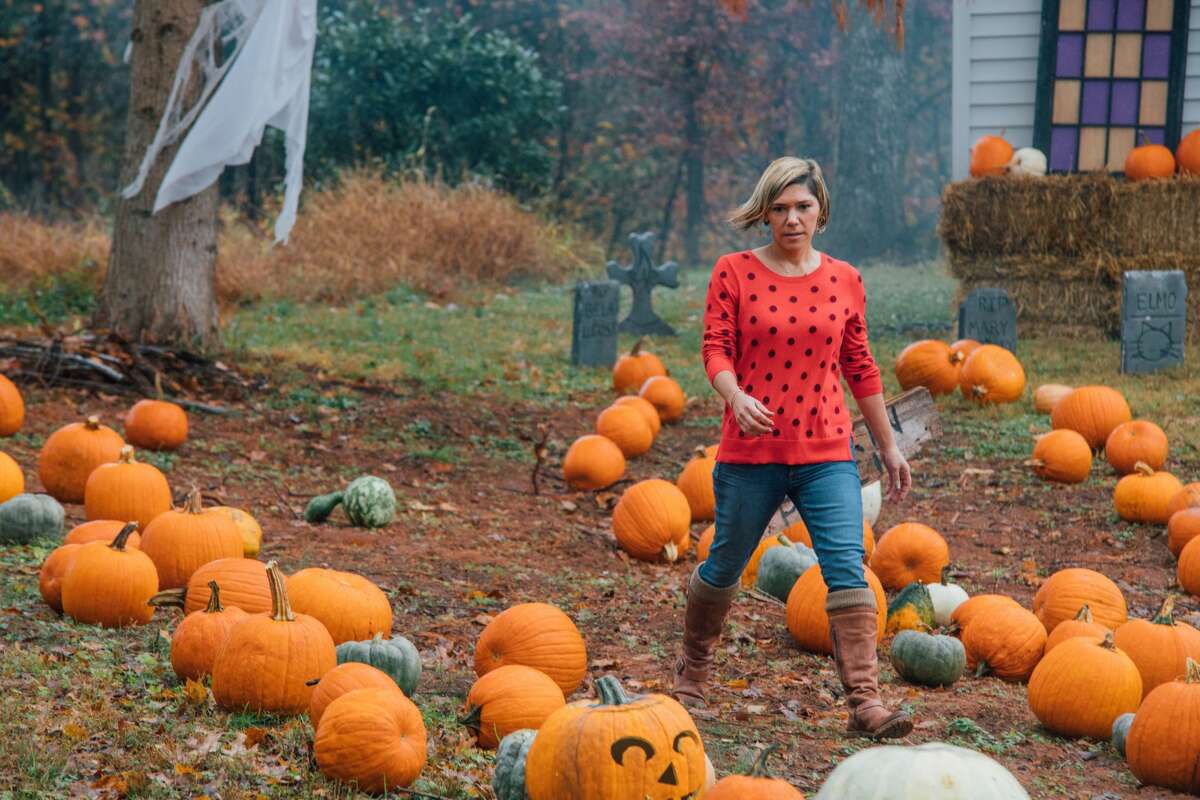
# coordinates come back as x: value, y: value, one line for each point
x: 1058, y: 244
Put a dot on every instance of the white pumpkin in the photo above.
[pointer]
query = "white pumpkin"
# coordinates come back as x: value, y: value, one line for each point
x: 1028, y: 161
x: 933, y: 771
x: 710, y: 774
x: 946, y: 597
x: 872, y: 501
x: 1047, y: 395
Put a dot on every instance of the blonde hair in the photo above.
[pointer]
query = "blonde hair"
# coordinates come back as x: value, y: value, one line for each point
x: 780, y: 174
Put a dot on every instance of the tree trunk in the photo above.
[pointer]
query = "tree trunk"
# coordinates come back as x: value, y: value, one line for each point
x: 694, y: 142
x: 159, y: 285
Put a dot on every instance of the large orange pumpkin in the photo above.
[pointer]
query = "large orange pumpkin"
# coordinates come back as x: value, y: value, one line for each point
x: 372, y: 738
x: 1149, y: 161
x: 1145, y: 495
x: 1182, y: 527
x: 507, y: 699
x: 54, y: 568
x: 1061, y: 596
x: 351, y: 607
x: 103, y: 530
x: 343, y: 679
x: 665, y: 395
x: 181, y: 541
x: 1134, y: 441
x: 992, y: 374
x: 651, y: 520
x: 243, y: 582
x: 696, y: 483
x: 535, y: 635
x: 1187, y: 155
x: 126, y: 490
x: 1160, y: 647
x: 12, y: 407
x: 1163, y: 745
x: 928, y: 363
x: 1082, y: 625
x: 990, y: 155
x: 909, y: 552
x: 806, y: 618
x: 593, y: 462
x: 645, y: 408
x: 1062, y: 456
x: 268, y: 660
x: 1004, y: 640
x: 627, y: 429
x: 109, y: 584
x: 1081, y: 687
x: 632, y: 370
x: 12, y: 479
x: 71, y: 453
x: 200, y: 636
x: 1093, y: 411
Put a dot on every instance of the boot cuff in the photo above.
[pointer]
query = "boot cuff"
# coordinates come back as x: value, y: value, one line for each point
x: 849, y: 598
x: 704, y: 591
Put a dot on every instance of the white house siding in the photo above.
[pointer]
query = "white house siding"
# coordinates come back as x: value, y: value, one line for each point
x: 1191, y: 89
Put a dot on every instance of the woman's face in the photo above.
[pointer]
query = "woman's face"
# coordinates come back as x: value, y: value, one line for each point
x: 793, y: 218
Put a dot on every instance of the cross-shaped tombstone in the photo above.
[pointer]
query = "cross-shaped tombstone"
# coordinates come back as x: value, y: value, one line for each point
x: 642, y: 276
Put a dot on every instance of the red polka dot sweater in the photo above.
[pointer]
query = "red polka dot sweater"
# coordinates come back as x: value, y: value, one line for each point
x: 789, y: 340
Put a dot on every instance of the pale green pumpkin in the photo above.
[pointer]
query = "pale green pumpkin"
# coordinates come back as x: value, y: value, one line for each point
x: 368, y: 501
x: 781, y: 567
x: 397, y: 657
x: 1120, y: 731
x: 29, y: 517
x: 508, y: 779
x: 927, y: 659
x: 911, y: 609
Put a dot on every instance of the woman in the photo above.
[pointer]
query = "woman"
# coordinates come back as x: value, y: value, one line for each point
x: 782, y: 325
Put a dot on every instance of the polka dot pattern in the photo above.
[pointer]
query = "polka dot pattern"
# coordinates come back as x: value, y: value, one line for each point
x: 746, y: 333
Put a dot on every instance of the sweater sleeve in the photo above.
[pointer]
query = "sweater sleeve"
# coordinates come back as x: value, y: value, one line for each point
x: 720, y: 321
x: 858, y: 365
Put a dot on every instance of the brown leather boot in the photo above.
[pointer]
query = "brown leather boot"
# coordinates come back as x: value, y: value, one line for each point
x: 707, y: 607
x: 853, y: 622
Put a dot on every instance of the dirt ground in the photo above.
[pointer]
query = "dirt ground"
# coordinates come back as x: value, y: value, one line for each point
x: 471, y: 538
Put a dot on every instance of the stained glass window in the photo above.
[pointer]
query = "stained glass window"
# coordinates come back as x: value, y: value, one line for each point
x: 1111, y: 77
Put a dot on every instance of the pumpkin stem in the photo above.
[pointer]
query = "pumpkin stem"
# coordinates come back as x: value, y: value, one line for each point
x: 119, y: 542
x: 699, y: 451
x: 946, y: 575
x: 1143, y: 468
x: 979, y: 390
x: 1193, y: 672
x: 281, y: 609
x: 126, y: 456
x: 611, y: 692
x: 957, y: 357
x: 168, y: 597
x: 982, y: 669
x: 93, y: 423
x: 1085, y: 614
x: 1109, y: 643
x: 670, y: 551
x: 637, y: 346
x: 214, y: 599
x: 472, y: 720
x: 1164, y: 614
x: 193, y: 504
x: 759, y: 770
x: 158, y: 384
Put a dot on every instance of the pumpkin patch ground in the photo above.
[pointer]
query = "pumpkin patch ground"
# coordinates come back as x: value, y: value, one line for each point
x: 101, y: 712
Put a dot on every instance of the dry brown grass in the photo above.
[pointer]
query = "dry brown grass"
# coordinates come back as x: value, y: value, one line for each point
x: 370, y: 234
x: 367, y: 235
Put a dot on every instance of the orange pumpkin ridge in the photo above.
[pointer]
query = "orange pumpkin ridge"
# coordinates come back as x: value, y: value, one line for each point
x: 1136, y: 441
x: 71, y: 453
x: 507, y: 699
x: 1145, y: 495
x: 1163, y: 745
x: 1085, y: 684
x: 126, y: 490
x: 1159, y: 647
x: 199, y: 637
x: 1182, y: 527
x: 110, y: 585
x: 593, y: 462
x: 180, y: 542
x: 536, y: 635
x: 350, y: 606
x: 156, y: 424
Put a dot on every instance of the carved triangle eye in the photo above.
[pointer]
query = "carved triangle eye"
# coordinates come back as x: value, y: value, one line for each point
x: 669, y: 778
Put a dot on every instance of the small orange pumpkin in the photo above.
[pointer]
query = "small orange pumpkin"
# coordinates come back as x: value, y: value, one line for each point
x: 626, y: 428
x: 507, y: 699
x: 1187, y: 570
x: 696, y: 483
x: 973, y: 606
x: 992, y: 374
x: 1187, y: 155
x: 126, y: 490
x: 180, y: 542
x: 1163, y: 745
x: 1004, y: 640
x: 71, y: 453
x: 351, y: 607
x: 1082, y: 625
x: 1062, y: 456
x: 961, y: 349
x: 536, y: 635
x: 1060, y: 597
x: 156, y: 425
x: 244, y: 584
x: 1187, y: 497
x: 652, y: 519
x: 1134, y: 441
x: 990, y: 156
x: 798, y: 532
x: 666, y: 396
x: 1149, y: 161
x: 343, y: 679
x: 1093, y: 411
x: 53, y: 570
x: 12, y: 407
x: 200, y: 636
x: 645, y: 408
x: 1144, y: 495
x: 909, y: 552
x: 109, y: 584
x: 593, y: 462
x: 807, y: 620
x: 268, y: 660
x: 103, y: 530
x: 1160, y: 647
x: 372, y: 738
x: 632, y: 370
x: 12, y: 479
x: 1081, y: 687
x: 757, y: 784
x: 1182, y: 527
x: 929, y: 363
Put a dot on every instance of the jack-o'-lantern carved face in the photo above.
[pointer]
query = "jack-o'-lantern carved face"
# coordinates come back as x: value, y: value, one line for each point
x: 645, y: 748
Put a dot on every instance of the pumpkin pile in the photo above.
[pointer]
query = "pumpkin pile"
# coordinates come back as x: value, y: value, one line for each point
x: 993, y: 155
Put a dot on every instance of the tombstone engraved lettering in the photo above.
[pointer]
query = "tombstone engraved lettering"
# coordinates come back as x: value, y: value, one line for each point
x: 594, y: 327
x: 988, y: 316
x: 1153, y: 320
x: 642, y: 276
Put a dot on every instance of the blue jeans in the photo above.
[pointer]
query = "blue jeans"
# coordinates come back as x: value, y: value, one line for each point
x: 828, y: 497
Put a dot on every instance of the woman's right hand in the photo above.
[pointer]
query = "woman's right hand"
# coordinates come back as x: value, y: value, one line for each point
x: 752, y: 417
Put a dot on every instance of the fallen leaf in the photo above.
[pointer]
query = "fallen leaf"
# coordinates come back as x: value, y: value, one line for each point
x: 737, y: 683
x: 73, y: 731
x: 196, y: 692
x: 482, y: 619
x: 188, y: 771
x: 567, y: 505
x: 253, y: 736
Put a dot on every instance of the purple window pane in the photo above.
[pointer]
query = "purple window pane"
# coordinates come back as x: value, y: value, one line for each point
x: 1095, y: 103
x: 1156, y: 55
x: 1070, y: 55
x: 1153, y: 135
x: 1100, y: 15
x: 1124, y: 103
x: 1129, y: 14
x: 1064, y: 142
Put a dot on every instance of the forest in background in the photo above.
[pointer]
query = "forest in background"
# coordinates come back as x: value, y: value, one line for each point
x: 615, y: 115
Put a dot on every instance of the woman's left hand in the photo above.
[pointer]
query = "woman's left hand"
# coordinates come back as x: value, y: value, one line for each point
x: 899, y: 474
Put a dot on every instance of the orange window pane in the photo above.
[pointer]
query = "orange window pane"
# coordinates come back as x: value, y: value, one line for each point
x: 1097, y: 62
x: 1066, y: 102
x: 1127, y: 56
x: 1093, y: 149
x: 1154, y: 103
x: 1071, y: 15
x: 1120, y: 142
x: 1160, y: 14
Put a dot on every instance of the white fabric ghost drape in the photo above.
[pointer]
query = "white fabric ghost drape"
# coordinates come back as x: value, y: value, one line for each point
x: 264, y: 79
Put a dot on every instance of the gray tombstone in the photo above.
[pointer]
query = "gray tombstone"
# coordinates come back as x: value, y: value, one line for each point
x: 988, y: 316
x: 642, y: 276
x: 594, y: 325
x: 1153, y: 320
